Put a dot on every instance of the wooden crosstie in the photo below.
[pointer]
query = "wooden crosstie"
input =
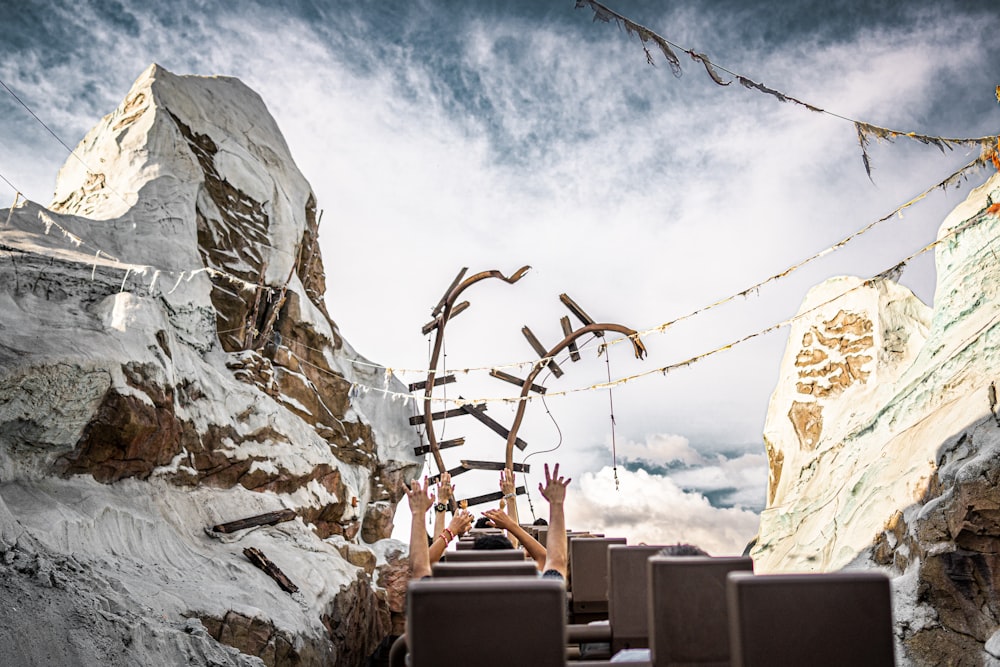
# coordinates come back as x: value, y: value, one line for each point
x: 447, y: 308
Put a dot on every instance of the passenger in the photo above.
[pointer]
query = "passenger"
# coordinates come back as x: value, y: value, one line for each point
x: 552, y: 561
x: 420, y: 500
x: 554, y: 492
x: 681, y: 549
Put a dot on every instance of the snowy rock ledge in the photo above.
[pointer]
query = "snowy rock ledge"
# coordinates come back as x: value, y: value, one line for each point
x: 167, y: 364
x: 884, y: 442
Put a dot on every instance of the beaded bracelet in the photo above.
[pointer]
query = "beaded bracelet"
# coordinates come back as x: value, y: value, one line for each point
x: 451, y: 535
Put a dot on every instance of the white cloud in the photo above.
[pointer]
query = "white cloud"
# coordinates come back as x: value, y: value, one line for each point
x: 661, y: 448
x: 652, y: 509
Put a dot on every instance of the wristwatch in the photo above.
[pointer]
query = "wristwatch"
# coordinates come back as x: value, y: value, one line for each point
x: 440, y: 507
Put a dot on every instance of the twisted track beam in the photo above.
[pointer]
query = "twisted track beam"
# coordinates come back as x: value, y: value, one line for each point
x: 445, y: 307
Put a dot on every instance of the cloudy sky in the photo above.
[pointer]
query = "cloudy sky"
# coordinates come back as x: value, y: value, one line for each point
x: 439, y: 135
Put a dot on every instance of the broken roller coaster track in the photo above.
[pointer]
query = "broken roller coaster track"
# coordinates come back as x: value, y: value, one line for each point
x: 449, y: 307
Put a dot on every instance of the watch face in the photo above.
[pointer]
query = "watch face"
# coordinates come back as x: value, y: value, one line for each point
x: 440, y: 507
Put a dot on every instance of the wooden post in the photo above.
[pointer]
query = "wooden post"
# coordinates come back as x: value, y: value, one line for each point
x: 257, y: 557
x: 551, y: 362
x: 268, y: 519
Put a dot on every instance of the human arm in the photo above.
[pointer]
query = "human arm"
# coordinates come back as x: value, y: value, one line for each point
x: 554, y: 491
x: 459, y: 525
x: 444, y: 494
x: 530, y: 544
x: 420, y: 500
x: 510, y: 495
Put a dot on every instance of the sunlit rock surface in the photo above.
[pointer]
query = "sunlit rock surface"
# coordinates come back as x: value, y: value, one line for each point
x: 884, y: 443
x: 167, y: 364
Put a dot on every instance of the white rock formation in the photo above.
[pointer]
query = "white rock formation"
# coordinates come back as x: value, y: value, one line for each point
x: 884, y: 443
x: 167, y: 364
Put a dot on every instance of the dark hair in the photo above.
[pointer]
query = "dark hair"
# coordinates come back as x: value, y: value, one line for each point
x: 680, y: 549
x: 484, y: 542
x: 540, y: 522
x: 483, y: 522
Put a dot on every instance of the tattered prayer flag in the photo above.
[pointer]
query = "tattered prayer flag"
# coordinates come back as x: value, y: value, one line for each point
x: 703, y: 59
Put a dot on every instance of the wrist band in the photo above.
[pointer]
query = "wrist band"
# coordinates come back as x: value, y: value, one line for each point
x: 510, y: 495
x: 451, y: 535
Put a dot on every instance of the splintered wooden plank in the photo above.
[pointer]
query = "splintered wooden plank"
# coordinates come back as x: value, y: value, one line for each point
x: 433, y: 479
x: 454, y: 284
x: 445, y: 444
x: 417, y: 420
x: 268, y: 519
x: 436, y: 322
x: 491, y: 424
x: 542, y: 352
x: 574, y: 351
x: 446, y: 379
x: 579, y: 312
x: 514, y: 380
x: 489, y: 497
x: 491, y: 465
x: 257, y: 557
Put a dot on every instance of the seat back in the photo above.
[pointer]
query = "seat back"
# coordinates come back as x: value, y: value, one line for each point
x: 627, y: 590
x: 480, y: 555
x: 687, y: 609
x: 821, y: 620
x: 488, y: 622
x: 588, y: 575
x: 492, y: 568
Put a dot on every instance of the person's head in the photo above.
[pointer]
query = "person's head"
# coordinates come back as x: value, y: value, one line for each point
x: 680, y: 549
x: 483, y: 522
x: 540, y: 522
x: 484, y: 542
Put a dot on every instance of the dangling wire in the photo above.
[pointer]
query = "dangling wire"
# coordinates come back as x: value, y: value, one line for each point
x: 444, y: 387
x: 611, y: 400
x: 558, y: 430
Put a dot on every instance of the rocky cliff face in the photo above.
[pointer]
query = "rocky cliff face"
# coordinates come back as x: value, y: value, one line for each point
x: 167, y: 364
x: 884, y: 442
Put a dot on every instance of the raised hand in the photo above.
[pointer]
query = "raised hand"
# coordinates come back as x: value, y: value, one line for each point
x: 554, y: 490
x: 419, y: 497
x: 445, y: 490
x: 507, y: 481
x: 499, y: 519
x: 461, y: 522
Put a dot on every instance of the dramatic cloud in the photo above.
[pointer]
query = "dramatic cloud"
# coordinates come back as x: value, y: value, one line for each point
x: 654, y: 510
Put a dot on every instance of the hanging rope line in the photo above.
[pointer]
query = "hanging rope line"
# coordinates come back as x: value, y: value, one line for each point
x: 611, y: 401
x: 865, y: 130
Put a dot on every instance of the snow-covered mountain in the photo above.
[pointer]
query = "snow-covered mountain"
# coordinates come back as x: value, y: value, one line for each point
x: 167, y: 364
x: 884, y: 442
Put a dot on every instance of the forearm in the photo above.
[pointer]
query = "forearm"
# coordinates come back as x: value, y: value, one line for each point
x: 419, y: 553
x: 436, y: 550
x: 530, y: 544
x: 438, y: 523
x: 514, y: 535
x: 556, y: 549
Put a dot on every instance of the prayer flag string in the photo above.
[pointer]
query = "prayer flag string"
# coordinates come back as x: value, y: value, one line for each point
x: 865, y: 130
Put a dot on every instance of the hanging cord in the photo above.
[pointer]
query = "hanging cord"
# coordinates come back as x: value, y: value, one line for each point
x: 555, y: 423
x: 611, y: 400
x: 524, y: 475
x: 444, y: 387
